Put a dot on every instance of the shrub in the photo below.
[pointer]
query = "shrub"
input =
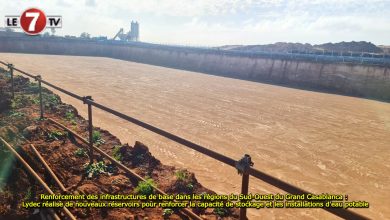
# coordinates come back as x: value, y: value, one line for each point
x: 190, y: 186
x: 69, y: 116
x: 50, y: 100
x: 20, y: 101
x: 95, y: 169
x: 145, y: 187
x: 181, y: 175
x: 116, y: 153
x: 33, y: 88
x: 97, y: 138
x: 56, y: 135
x: 81, y: 152
x: 29, y: 194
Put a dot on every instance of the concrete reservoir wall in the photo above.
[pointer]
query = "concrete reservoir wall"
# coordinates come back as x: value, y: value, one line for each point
x: 370, y: 81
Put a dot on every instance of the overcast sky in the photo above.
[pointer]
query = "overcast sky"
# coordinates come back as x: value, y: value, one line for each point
x: 221, y: 22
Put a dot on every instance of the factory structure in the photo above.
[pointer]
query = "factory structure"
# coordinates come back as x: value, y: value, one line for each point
x: 132, y: 35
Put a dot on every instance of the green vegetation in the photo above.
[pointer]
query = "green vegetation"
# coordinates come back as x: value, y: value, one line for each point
x: 16, y: 114
x: 167, y: 212
x: 35, y: 100
x: 50, y: 100
x: 2, y: 70
x: 146, y: 187
x: 20, y: 101
x: 71, y: 117
x: 184, y: 181
x: 33, y: 88
x: 112, y: 169
x: 94, y: 169
x: 56, y: 135
x: 29, y: 194
x: 9, y: 133
x: 222, y: 212
x: 116, y: 153
x: 181, y: 175
x: 81, y: 152
x: 97, y: 138
x: 190, y: 186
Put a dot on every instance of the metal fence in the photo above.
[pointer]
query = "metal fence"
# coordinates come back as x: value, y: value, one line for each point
x: 244, y: 165
x: 363, y: 58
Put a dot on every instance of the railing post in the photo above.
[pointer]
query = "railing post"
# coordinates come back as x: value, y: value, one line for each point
x: 11, y: 71
x: 243, y: 167
x: 90, y: 127
x: 38, y: 78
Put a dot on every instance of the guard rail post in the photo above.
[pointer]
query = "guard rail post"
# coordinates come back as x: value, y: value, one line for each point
x: 90, y: 127
x: 243, y: 167
x: 38, y: 78
x: 11, y: 71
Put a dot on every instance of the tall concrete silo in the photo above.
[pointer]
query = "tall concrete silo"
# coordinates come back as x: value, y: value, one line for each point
x: 134, y: 31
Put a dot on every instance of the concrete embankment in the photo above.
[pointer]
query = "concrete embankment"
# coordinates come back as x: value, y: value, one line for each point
x: 370, y: 81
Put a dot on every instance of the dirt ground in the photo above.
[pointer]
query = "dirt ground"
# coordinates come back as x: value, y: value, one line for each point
x: 320, y: 142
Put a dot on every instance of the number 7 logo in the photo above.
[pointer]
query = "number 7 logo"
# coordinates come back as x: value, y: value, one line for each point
x: 35, y: 16
x: 33, y: 21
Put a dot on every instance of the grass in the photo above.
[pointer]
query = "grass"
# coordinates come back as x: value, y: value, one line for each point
x: 95, y: 169
x: 181, y: 175
x: 97, y: 138
x: 81, y: 152
x: 146, y: 187
x: 116, y: 153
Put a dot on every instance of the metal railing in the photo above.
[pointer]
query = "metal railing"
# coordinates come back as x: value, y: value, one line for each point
x: 35, y: 175
x: 244, y: 165
x: 364, y: 58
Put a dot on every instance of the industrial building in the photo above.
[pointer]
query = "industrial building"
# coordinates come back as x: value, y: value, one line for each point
x: 132, y: 35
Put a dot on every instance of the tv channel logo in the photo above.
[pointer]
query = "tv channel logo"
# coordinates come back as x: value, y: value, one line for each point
x: 33, y: 21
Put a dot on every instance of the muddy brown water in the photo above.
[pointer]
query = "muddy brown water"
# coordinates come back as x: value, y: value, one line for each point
x: 323, y: 143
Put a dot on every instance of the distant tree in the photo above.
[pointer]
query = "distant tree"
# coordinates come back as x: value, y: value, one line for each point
x: 85, y: 35
x: 46, y: 34
x: 53, y: 31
